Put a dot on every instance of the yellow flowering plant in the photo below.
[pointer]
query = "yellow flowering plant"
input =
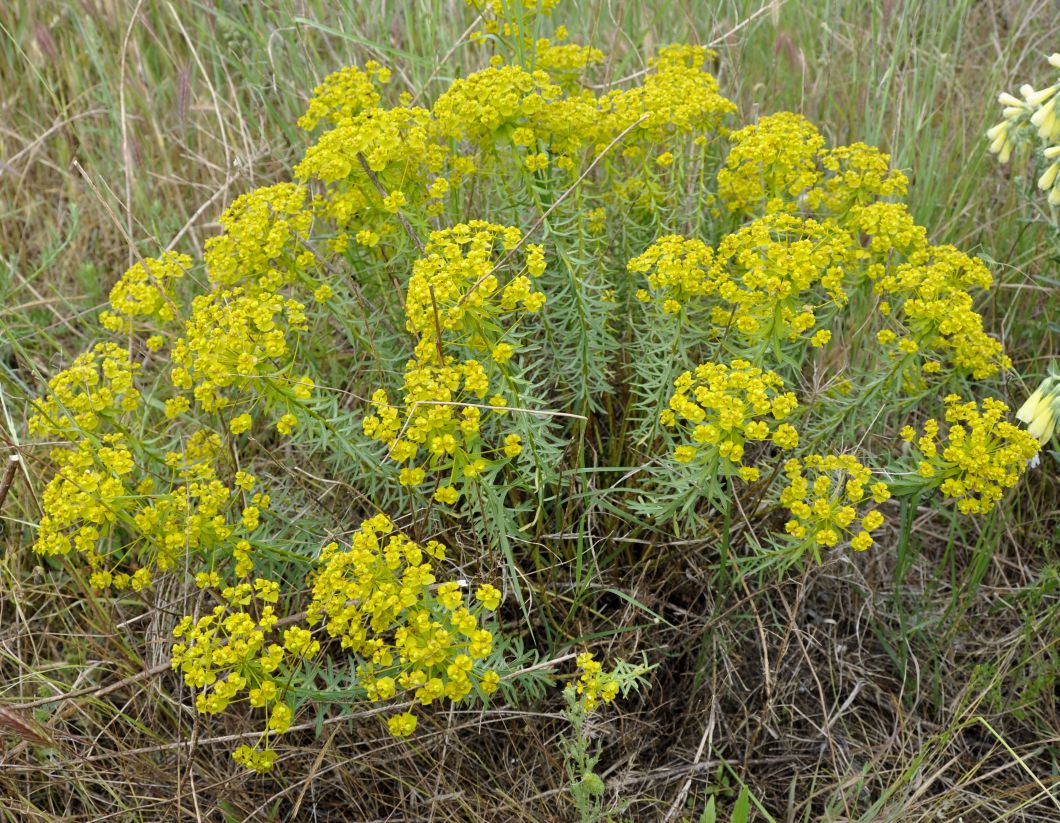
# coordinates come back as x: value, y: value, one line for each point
x: 361, y: 362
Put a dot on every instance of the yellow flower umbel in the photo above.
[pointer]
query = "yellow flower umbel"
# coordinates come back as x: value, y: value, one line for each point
x: 379, y: 599
x: 765, y: 279
x: 722, y: 408
x: 95, y: 391
x: 979, y: 457
x: 225, y: 657
x: 770, y: 164
x: 824, y: 494
x: 932, y: 308
x: 459, y: 293
x: 460, y: 301
x: 145, y: 293
x: 344, y: 94
x: 1042, y: 410
x: 594, y: 685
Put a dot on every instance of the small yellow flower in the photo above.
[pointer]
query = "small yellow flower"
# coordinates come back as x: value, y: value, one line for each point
x: 502, y: 353
x: 402, y: 725
x: 285, y: 425
x: 513, y: 445
x: 821, y: 338
x: 685, y: 454
x: 447, y: 494
x: 489, y: 596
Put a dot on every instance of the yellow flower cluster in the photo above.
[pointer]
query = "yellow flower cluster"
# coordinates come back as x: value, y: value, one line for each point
x: 455, y: 290
x: 764, y: 281
x: 722, y: 408
x: 503, y: 114
x: 98, y: 386
x: 226, y: 658
x: 823, y: 495
x: 774, y: 273
x: 236, y: 341
x: 380, y: 599
x: 197, y: 514
x: 85, y: 499
x: 980, y: 455
x: 770, y: 164
x: 456, y: 304
x: 262, y: 238
x: 856, y: 175
x: 565, y: 59
x: 399, y: 148
x: 493, y: 102
x: 935, y: 311
x: 483, y: 123
x: 344, y: 94
x: 594, y: 685
x: 927, y: 291
x: 780, y: 164
x: 145, y: 292
x: 821, y: 231
x: 234, y: 337
x: 890, y: 230
x: 677, y: 270
x: 677, y: 97
x: 94, y: 507
x: 1038, y: 111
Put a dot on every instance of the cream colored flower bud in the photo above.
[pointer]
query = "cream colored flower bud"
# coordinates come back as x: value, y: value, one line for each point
x: 1037, y: 98
x: 1046, y: 180
x: 999, y: 129
x: 1040, y: 410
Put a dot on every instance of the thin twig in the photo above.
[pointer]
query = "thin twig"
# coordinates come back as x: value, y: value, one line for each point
x: 94, y: 691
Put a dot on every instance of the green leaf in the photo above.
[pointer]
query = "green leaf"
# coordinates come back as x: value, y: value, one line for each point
x: 741, y: 810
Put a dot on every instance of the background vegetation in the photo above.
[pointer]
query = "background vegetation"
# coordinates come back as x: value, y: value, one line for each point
x: 869, y: 689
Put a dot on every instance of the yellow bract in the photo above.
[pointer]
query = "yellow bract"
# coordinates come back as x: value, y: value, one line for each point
x: 723, y: 408
x: 978, y: 457
x: 826, y: 495
x: 594, y: 685
x: 378, y: 598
